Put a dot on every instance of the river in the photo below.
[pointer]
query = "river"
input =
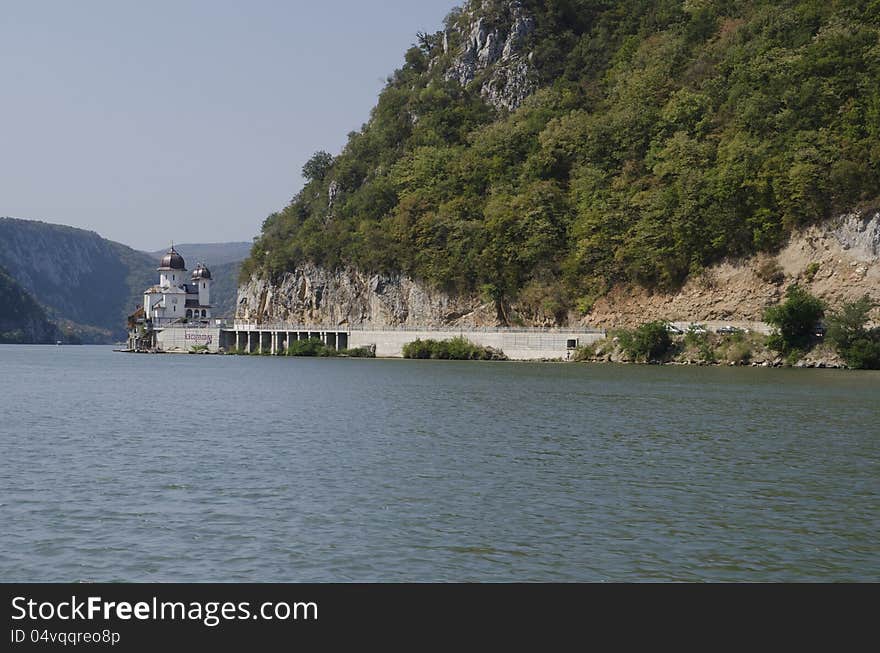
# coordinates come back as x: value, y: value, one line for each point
x: 119, y: 467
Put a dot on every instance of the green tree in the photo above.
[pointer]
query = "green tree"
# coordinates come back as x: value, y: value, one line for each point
x: 795, y: 320
x: 317, y: 166
x: 848, y: 324
x: 649, y: 341
x: 847, y: 330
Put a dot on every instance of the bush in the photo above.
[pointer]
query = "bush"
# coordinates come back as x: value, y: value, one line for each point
x: 458, y: 348
x: 857, y: 345
x: 795, y: 320
x: 359, y: 352
x: 770, y: 271
x: 584, y: 353
x: 650, y: 341
x: 700, y: 339
x: 864, y: 353
x: 707, y: 353
x: 739, y: 352
x: 310, y: 347
x: 811, y: 270
x: 695, y: 338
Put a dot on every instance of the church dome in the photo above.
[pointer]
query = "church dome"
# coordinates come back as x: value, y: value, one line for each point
x: 172, y: 261
x: 201, y: 272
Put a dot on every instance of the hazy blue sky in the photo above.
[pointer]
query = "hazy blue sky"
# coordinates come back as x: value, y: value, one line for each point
x: 185, y: 120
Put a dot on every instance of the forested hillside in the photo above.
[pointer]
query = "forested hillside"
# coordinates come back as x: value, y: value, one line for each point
x: 22, y: 320
x: 544, y: 151
x: 86, y: 282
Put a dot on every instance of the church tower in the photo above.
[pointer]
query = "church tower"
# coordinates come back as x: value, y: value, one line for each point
x: 201, y: 277
x: 172, y: 270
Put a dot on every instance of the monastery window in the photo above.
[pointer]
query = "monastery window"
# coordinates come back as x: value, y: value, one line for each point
x: 204, y: 313
x: 189, y: 312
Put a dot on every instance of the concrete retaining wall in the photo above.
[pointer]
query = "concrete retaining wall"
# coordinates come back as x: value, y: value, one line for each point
x: 516, y: 345
x: 183, y: 340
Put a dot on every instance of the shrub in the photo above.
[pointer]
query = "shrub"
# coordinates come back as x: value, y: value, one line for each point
x: 848, y: 324
x: 650, y: 341
x: 700, y: 339
x: 739, y: 352
x: 584, y: 305
x: 694, y: 338
x: 310, y: 347
x: 770, y: 271
x: 795, y: 320
x: 418, y: 348
x: 864, y: 353
x: 359, y: 352
x: 707, y: 352
x: 811, y: 270
x: 458, y: 348
x: 857, y: 345
x: 584, y: 353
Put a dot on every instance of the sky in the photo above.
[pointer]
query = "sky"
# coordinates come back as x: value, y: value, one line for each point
x: 185, y: 120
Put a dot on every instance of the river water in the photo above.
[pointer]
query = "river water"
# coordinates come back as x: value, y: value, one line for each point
x: 117, y: 467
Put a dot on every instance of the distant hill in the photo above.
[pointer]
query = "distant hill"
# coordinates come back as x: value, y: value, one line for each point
x: 85, y: 282
x: 211, y: 254
x: 224, y: 261
x: 22, y: 319
x: 224, y: 290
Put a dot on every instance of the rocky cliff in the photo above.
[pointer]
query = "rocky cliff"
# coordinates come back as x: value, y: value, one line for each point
x: 492, y: 52
x: 839, y: 261
x: 314, y: 295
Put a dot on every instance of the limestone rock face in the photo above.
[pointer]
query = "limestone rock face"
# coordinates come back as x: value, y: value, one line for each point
x: 859, y: 234
x: 497, y: 50
x: 316, y: 296
x: 838, y: 261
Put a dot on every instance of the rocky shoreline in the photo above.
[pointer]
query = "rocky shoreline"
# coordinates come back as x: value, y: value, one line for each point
x: 742, y: 351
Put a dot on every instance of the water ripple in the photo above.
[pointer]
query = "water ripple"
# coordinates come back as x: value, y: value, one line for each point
x: 164, y: 468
